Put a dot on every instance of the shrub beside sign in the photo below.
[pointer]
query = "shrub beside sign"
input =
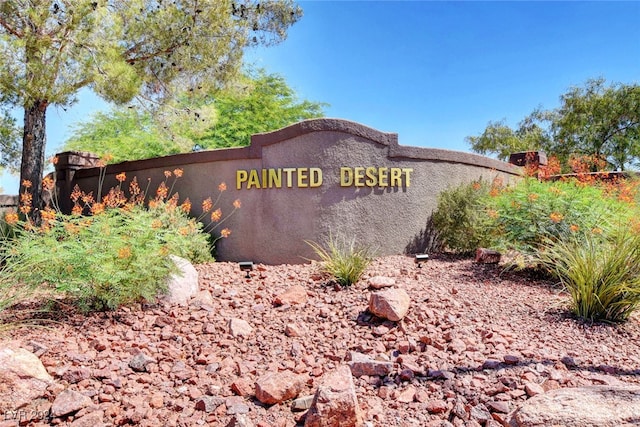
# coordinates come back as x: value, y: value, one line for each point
x: 306, y: 181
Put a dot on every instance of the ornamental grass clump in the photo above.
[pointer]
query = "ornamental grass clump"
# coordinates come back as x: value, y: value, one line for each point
x: 344, y: 260
x: 601, y: 273
x: 111, y: 251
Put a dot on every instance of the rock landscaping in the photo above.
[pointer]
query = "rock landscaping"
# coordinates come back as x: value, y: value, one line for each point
x: 453, y: 343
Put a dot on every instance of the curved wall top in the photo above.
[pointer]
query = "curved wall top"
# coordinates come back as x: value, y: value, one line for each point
x: 306, y: 181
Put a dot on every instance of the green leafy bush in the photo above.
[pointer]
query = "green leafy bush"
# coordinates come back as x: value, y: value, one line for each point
x: 531, y: 212
x: 116, y: 256
x: 460, y: 218
x: 601, y: 274
x: 344, y: 260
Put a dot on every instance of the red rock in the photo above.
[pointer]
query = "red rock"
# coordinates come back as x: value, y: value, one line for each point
x: 407, y: 395
x: 243, y: 387
x: 23, y: 378
x: 68, y: 402
x: 293, y: 330
x: 392, y: 304
x: 380, y: 282
x: 361, y: 364
x: 533, y: 389
x: 487, y: 256
x: 335, y: 403
x: 239, y: 328
x: 276, y: 387
x: 437, y: 406
x: 292, y: 296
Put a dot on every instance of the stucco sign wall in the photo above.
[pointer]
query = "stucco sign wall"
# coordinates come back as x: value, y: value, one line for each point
x: 309, y: 180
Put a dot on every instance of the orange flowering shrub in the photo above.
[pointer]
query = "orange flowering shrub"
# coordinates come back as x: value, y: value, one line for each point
x: 113, y: 248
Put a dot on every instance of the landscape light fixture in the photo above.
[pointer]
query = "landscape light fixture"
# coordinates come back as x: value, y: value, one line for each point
x: 420, y: 258
x: 246, y: 266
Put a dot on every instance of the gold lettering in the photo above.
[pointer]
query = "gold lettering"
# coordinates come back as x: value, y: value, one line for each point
x: 254, y: 179
x: 346, y: 177
x: 241, y: 176
x: 275, y: 178
x: 407, y: 172
x: 359, y: 175
x: 372, y: 178
x: 315, y: 177
x: 288, y: 172
x: 302, y: 177
x: 382, y: 177
x: 395, y: 179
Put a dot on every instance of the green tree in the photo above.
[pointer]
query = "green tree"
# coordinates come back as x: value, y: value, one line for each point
x: 264, y: 103
x: 259, y: 102
x: 599, y: 120
x: 594, y: 120
x: 501, y: 140
x: 9, y: 142
x: 121, y: 49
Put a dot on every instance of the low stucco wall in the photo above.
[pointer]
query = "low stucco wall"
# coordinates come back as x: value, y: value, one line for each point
x: 345, y: 179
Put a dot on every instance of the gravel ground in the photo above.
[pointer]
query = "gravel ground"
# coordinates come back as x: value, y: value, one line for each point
x: 475, y: 344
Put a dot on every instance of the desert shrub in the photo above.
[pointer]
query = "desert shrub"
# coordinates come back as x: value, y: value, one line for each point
x: 601, y: 273
x: 460, y: 218
x: 117, y: 255
x: 532, y: 212
x: 344, y: 260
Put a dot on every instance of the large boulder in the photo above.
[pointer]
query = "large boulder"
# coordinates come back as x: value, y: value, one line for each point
x: 335, y: 403
x: 276, y: 387
x: 391, y: 303
x: 23, y: 378
x: 183, y: 285
x: 594, y: 406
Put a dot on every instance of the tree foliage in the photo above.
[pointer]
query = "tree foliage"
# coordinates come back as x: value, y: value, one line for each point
x: 9, y: 142
x: 258, y: 102
x: 598, y: 120
x: 121, y: 49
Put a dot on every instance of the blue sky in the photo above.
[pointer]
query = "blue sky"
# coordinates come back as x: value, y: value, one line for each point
x: 436, y: 72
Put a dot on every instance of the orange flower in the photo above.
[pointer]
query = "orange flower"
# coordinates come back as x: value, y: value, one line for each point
x: 222, y: 187
x: 178, y: 172
x: 156, y: 223
x: 11, y: 218
x: 492, y: 213
x: 25, y: 209
x: 167, y: 174
x: 76, y: 193
x: 121, y: 177
x: 476, y: 185
x: 76, y: 210
x: 225, y: 232
x: 186, y: 206
x: 124, y: 253
x: 556, y: 217
x: 162, y: 191
x: 48, y: 214
x: 26, y: 183
x: 574, y: 228
x: 596, y: 230
x: 207, y: 205
x: 533, y: 197
x: 48, y: 183
x: 184, y: 231
x: 97, y: 208
x: 237, y: 204
x: 216, y: 215
x: 88, y: 198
